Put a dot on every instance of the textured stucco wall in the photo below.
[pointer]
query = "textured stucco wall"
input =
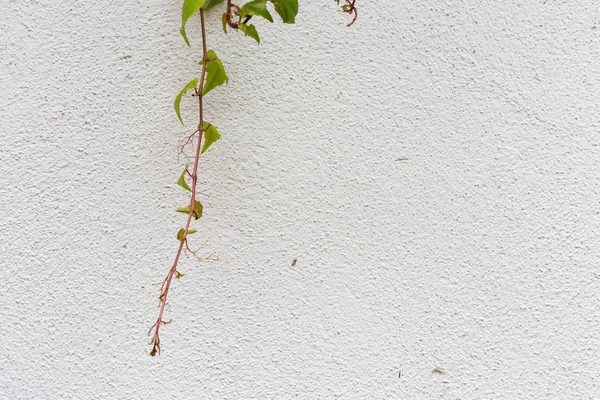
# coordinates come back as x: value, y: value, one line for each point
x: 478, y: 257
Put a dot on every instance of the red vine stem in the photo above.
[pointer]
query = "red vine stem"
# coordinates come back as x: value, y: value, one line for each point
x: 164, y: 290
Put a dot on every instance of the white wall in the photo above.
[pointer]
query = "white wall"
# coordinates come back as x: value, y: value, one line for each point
x: 478, y: 257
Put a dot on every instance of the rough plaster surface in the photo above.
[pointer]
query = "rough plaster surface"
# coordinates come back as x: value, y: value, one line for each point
x: 477, y: 258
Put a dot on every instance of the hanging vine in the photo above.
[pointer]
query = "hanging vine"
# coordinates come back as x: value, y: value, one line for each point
x: 213, y: 75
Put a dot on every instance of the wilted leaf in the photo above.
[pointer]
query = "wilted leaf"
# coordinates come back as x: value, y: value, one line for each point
x: 197, y: 210
x: 211, y: 135
x: 155, y: 348
x: 224, y: 22
x: 191, y: 85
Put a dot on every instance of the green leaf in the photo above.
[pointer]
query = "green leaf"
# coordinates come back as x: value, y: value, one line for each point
x: 287, y: 10
x: 182, y: 231
x: 179, y: 275
x: 208, y: 4
x: 191, y: 85
x: 197, y: 210
x: 181, y: 182
x: 250, y: 30
x: 224, y: 22
x: 190, y: 7
x: 167, y: 322
x: 211, y: 135
x: 215, y: 72
x: 258, y: 8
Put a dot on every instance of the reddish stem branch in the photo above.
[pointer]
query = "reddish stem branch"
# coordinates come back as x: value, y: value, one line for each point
x: 349, y: 8
x: 164, y: 293
x: 229, y: 14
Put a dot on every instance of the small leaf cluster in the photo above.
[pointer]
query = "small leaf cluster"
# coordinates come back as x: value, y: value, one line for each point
x: 238, y: 17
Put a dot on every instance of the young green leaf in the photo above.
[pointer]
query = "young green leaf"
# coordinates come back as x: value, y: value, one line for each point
x: 181, y: 182
x: 191, y: 85
x: 215, y: 73
x: 287, y: 10
x: 250, y: 30
x: 258, y: 8
x: 208, y: 4
x: 182, y: 231
x: 211, y: 135
x: 179, y: 275
x: 190, y: 7
x: 184, y: 210
x: 197, y: 210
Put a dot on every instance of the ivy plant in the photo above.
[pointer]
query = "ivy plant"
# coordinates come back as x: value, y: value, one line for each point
x: 213, y: 75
